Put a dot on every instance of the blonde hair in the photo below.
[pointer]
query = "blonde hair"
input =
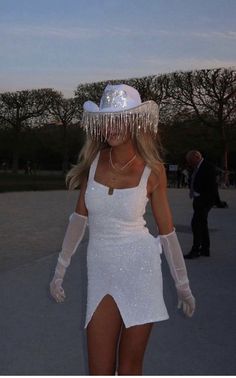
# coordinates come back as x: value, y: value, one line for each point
x: 147, y: 145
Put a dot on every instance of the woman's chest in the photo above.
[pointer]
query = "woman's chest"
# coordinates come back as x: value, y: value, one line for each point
x: 127, y: 204
x: 117, y: 178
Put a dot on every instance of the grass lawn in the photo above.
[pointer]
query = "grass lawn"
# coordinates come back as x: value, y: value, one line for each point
x: 17, y: 183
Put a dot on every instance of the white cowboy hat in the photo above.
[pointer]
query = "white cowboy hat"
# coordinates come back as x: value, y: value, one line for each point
x: 121, y: 109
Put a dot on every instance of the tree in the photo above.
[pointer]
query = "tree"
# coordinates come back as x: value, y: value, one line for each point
x: 64, y: 111
x: 18, y: 109
x: 211, y: 94
x: 89, y: 91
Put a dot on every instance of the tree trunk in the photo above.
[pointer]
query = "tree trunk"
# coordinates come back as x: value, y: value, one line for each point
x: 225, y: 159
x: 15, y: 161
x: 65, y: 162
x: 16, y: 147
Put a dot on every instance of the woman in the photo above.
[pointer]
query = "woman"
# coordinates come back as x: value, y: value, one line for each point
x: 120, y: 171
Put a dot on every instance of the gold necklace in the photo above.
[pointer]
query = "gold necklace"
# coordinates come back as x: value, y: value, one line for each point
x: 124, y: 166
x: 110, y: 189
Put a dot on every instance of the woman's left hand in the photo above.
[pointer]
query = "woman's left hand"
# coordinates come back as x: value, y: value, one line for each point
x: 188, y: 302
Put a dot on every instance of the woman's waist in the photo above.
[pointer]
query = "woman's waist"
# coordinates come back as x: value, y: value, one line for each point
x: 111, y: 231
x: 120, y: 238
x: 103, y: 222
x: 123, y: 250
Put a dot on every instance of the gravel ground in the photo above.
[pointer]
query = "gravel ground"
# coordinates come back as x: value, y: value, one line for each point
x: 40, y: 337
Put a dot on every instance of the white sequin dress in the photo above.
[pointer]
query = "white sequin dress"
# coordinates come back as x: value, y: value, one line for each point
x: 123, y: 258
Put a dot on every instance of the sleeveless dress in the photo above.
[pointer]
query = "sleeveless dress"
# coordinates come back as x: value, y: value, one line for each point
x: 123, y: 258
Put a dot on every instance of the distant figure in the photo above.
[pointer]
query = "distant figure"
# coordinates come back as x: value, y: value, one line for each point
x: 218, y: 202
x: 4, y: 166
x: 28, y: 168
x: 179, y: 177
x: 203, y: 191
x: 184, y: 178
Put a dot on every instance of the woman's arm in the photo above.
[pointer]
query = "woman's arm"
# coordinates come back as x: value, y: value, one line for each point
x: 170, y: 244
x: 73, y: 236
x: 80, y: 206
x: 159, y: 202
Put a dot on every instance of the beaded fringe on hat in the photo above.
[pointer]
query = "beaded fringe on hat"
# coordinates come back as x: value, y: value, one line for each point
x: 143, y: 118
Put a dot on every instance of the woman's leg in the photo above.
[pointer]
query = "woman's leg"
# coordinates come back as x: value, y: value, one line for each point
x: 133, y: 342
x: 103, y: 333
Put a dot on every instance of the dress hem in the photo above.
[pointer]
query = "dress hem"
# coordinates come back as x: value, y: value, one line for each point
x: 138, y: 322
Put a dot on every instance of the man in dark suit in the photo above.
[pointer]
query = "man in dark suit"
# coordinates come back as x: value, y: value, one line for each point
x: 203, y: 191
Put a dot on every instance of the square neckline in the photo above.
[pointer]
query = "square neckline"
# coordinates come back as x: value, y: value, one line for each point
x: 115, y: 189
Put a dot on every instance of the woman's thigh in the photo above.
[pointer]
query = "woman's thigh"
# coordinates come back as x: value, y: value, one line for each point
x: 103, y: 333
x: 132, y: 346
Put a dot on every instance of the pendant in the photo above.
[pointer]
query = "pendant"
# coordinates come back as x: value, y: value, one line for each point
x: 110, y: 191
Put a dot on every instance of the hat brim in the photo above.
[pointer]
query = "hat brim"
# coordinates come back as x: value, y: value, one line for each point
x: 143, y: 117
x: 91, y: 107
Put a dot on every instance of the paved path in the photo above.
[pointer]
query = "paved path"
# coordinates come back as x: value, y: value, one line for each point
x: 40, y: 337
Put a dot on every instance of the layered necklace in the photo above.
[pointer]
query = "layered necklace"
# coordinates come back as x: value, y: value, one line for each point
x: 120, y: 169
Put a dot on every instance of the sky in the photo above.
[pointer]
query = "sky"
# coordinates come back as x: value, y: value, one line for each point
x: 63, y: 43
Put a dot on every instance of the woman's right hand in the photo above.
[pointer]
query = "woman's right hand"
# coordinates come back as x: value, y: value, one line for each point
x: 56, y: 290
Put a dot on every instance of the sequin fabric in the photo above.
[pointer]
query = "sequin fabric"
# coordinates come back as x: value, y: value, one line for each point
x: 123, y: 258
x: 114, y: 98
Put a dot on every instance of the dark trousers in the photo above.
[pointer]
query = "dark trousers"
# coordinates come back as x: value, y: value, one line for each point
x: 199, y: 225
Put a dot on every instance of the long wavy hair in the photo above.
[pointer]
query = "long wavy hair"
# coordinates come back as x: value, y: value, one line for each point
x: 147, y: 145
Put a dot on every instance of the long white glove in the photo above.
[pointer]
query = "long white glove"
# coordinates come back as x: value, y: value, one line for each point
x: 73, y: 236
x: 175, y: 260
